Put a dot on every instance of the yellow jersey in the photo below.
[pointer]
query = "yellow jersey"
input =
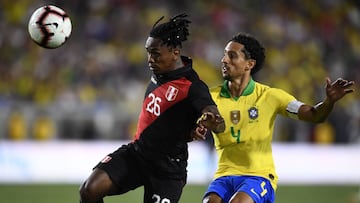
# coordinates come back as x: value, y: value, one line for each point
x: 244, y: 148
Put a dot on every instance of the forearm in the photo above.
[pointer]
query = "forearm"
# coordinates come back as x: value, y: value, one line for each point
x: 334, y: 92
x: 317, y: 113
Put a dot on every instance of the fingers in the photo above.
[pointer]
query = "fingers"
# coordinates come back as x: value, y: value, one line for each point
x: 328, y: 82
x: 342, y: 82
x: 199, y: 133
x: 349, y: 91
x: 348, y: 83
x: 208, y: 115
x: 212, y: 121
x: 211, y: 117
x: 339, y: 83
x: 338, y: 89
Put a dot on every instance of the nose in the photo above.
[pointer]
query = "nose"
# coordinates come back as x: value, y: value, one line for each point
x: 223, y: 59
x: 150, y: 59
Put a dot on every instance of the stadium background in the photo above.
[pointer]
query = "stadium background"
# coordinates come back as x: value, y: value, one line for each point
x: 90, y: 90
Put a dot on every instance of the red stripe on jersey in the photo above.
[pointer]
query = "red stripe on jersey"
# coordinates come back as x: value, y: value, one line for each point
x: 159, y: 100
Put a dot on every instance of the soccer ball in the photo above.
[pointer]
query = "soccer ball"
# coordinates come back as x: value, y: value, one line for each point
x: 49, y: 26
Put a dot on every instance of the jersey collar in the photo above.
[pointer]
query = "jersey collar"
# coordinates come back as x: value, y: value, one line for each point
x: 225, y: 92
x: 174, y: 74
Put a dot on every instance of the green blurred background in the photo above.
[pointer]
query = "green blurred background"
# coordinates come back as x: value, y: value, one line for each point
x: 91, y: 88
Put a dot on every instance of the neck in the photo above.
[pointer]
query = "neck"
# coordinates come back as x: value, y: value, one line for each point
x: 238, y: 85
x: 179, y: 64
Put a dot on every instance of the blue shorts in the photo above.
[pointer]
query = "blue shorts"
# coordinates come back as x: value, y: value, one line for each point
x: 258, y: 188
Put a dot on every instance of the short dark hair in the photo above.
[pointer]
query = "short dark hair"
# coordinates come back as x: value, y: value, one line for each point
x: 172, y: 33
x: 252, y: 49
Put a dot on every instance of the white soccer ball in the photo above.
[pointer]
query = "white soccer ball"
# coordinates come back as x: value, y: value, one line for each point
x: 49, y: 26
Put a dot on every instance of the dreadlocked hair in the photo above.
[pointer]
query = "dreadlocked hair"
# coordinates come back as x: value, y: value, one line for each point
x: 252, y: 49
x: 172, y: 33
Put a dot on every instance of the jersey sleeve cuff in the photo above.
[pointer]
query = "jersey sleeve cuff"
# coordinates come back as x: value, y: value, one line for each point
x: 293, y: 108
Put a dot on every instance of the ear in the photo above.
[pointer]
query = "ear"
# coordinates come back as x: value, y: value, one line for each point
x: 250, y: 64
x: 176, y: 53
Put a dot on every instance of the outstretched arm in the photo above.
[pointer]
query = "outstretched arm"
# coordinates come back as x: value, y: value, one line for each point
x: 334, y: 92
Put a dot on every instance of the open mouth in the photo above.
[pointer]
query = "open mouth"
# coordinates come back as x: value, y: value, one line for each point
x: 224, y: 69
x: 152, y: 67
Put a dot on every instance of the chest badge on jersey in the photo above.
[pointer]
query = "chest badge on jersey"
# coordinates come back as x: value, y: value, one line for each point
x: 253, y: 113
x: 171, y: 93
x: 235, y: 116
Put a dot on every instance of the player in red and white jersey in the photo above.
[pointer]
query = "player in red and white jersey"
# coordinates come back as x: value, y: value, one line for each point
x: 174, y: 101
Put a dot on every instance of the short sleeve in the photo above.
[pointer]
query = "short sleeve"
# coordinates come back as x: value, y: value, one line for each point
x: 199, y: 96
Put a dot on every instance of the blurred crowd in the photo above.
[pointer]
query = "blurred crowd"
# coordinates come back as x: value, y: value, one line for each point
x: 92, y: 87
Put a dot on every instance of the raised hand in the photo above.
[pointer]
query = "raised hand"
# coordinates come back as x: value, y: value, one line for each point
x: 338, y: 89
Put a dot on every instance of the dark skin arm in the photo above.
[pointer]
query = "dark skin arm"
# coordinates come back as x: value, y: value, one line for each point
x: 334, y: 92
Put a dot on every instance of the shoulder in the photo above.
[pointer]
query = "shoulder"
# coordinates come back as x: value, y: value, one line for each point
x: 199, y: 89
x: 278, y: 92
x: 199, y: 84
x: 262, y: 87
x: 215, y: 90
x: 269, y: 90
x: 273, y: 95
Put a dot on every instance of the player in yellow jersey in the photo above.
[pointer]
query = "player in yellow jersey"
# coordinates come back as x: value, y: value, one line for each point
x: 246, y: 171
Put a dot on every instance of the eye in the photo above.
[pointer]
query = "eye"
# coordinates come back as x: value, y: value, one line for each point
x: 231, y: 55
x: 153, y: 54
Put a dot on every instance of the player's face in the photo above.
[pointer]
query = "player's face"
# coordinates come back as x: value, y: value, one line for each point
x: 234, y: 63
x: 160, y: 57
